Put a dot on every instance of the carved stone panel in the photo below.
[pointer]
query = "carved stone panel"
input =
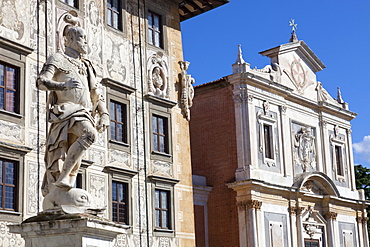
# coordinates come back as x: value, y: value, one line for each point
x: 304, y: 148
x: 14, y: 20
x: 119, y: 158
x: 94, y: 29
x: 278, y: 230
x: 347, y: 234
x: 32, y: 184
x: 45, y: 18
x: 97, y: 155
x: 97, y: 189
x: 162, y: 168
x: 158, y: 81
x: 11, y: 132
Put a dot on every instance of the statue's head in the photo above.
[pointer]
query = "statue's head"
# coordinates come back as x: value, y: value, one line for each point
x: 76, y: 39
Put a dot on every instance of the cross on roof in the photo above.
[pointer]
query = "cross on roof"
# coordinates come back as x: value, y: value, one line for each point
x: 293, y: 25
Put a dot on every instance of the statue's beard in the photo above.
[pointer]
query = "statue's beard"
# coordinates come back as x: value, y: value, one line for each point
x: 83, y: 49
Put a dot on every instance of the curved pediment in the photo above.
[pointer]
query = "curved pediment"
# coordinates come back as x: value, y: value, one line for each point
x: 316, y: 183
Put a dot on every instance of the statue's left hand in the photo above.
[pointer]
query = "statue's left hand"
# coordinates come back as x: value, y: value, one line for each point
x: 104, y: 123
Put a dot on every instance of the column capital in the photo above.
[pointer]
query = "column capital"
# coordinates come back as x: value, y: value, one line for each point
x: 255, y: 204
x: 296, y: 210
x: 241, y: 204
x: 330, y: 215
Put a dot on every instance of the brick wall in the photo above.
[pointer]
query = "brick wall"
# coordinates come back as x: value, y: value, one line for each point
x: 213, y: 151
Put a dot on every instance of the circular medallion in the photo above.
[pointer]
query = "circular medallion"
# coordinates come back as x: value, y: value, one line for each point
x: 298, y: 73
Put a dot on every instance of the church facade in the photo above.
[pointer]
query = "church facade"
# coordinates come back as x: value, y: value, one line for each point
x: 272, y: 157
x: 140, y: 168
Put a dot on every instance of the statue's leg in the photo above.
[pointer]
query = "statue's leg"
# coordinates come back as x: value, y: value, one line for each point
x: 86, y: 136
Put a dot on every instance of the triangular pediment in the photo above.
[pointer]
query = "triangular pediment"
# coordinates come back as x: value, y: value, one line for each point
x: 298, y: 65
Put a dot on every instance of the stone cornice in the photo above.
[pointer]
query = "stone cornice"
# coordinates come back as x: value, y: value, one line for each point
x: 20, y: 149
x: 14, y: 46
x: 260, y: 185
x: 287, y: 93
x: 118, y: 85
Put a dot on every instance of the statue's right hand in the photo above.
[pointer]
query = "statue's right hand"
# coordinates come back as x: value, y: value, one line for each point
x: 72, y: 84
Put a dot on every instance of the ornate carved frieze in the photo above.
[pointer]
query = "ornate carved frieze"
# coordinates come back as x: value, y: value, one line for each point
x: 304, y: 149
x: 121, y: 241
x: 187, y: 91
x: 9, y: 239
x: 158, y: 81
x: 164, y: 242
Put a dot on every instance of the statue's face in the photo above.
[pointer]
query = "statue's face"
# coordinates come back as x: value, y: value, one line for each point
x: 79, y: 42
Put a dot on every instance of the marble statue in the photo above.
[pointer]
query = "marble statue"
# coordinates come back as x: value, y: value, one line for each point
x: 187, y: 90
x: 74, y: 101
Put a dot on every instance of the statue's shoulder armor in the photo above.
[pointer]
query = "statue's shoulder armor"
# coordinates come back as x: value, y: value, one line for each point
x: 59, y: 61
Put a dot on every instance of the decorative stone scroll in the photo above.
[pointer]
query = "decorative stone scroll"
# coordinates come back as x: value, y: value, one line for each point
x: 158, y: 76
x: 272, y: 70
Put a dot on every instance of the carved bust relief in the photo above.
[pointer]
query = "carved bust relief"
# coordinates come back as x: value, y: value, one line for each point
x: 157, y: 76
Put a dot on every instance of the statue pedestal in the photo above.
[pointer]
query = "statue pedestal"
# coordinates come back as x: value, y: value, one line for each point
x: 68, y: 230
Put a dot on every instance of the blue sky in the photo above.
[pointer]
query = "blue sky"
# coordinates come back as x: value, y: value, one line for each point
x: 338, y: 31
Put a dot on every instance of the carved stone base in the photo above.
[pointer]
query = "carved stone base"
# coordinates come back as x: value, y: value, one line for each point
x: 68, y: 230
